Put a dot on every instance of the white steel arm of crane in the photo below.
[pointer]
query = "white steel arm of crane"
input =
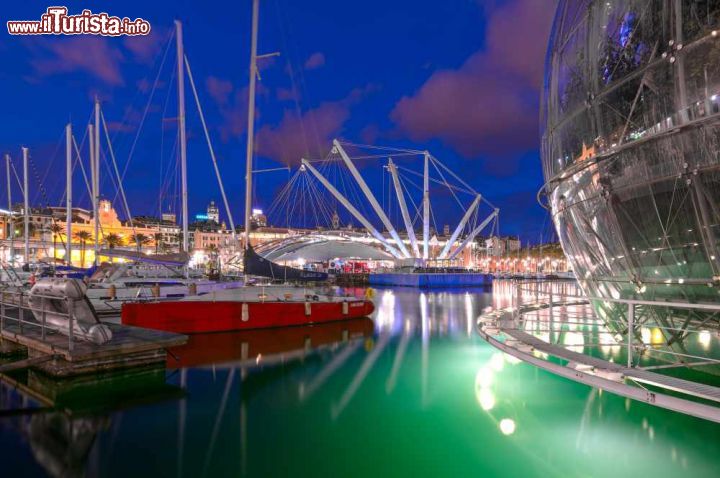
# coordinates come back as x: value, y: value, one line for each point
x: 403, y: 208
x: 474, y: 233
x: 371, y: 197
x: 460, y: 227
x: 352, y: 209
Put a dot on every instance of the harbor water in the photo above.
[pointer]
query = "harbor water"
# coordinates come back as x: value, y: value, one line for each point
x: 413, y: 391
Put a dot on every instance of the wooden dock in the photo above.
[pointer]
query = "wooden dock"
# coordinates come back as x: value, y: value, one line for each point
x: 129, y: 347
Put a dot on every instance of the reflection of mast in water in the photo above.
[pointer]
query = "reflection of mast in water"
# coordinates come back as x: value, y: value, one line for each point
x: 240, y: 353
x: 425, y: 321
x: 399, y: 356
x: 305, y: 392
x: 367, y: 365
x: 61, y: 444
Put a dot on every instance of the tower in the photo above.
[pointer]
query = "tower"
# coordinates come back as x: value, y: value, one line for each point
x: 213, y: 213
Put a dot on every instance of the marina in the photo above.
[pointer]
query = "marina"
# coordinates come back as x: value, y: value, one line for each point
x: 352, y: 254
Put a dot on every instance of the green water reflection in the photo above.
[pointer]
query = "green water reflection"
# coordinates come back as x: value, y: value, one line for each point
x: 414, y: 393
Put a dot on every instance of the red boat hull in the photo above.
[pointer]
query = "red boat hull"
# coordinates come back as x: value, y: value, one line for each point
x: 189, y: 317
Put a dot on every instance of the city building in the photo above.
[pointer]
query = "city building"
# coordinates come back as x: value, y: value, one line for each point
x: 497, y: 246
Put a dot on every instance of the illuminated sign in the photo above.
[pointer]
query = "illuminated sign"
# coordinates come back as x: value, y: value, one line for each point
x: 201, y: 217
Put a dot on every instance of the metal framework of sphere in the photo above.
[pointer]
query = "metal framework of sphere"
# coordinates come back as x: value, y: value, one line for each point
x: 631, y: 138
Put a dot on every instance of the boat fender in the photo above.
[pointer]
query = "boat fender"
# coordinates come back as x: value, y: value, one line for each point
x: 99, y: 334
x: 345, y: 308
x: 245, y: 313
x: 308, y: 310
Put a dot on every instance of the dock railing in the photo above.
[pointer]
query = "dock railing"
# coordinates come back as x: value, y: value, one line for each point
x: 557, y: 296
x: 17, y: 301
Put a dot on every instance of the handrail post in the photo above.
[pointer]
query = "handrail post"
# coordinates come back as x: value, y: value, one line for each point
x: 21, y: 314
x: 631, y: 327
x: 71, y: 317
x: 551, y: 315
x: 42, y: 312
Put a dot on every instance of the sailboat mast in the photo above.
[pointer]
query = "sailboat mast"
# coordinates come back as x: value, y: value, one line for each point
x: 251, y: 123
x: 96, y: 180
x: 11, y: 222
x: 26, y: 206
x: 181, y: 129
x: 68, y: 194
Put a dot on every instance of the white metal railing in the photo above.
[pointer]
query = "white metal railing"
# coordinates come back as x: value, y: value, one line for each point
x: 17, y: 300
x: 529, y: 296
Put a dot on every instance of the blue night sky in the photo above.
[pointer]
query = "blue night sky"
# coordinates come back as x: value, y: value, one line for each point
x: 460, y: 78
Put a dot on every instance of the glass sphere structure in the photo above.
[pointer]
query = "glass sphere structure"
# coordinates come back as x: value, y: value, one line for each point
x: 631, y: 144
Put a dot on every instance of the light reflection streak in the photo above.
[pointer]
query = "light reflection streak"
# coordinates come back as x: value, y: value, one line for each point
x: 367, y: 365
x: 327, y: 371
x: 469, y: 316
x: 399, y: 356
x: 424, y: 319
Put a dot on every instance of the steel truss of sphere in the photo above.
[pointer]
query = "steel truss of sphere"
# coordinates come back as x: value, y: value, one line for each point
x: 631, y: 138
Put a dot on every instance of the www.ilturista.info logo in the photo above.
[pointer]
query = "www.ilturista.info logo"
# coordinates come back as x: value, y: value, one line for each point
x: 56, y: 21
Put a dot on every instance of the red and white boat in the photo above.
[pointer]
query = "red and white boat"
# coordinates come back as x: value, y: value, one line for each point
x: 243, y: 309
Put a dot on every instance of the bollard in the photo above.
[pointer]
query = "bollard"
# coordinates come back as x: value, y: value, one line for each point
x: 192, y: 289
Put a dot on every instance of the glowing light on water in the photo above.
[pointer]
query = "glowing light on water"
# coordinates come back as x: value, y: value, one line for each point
x: 484, y: 378
x: 497, y: 361
x: 705, y: 338
x: 507, y: 426
x: 486, y: 398
x: 512, y: 360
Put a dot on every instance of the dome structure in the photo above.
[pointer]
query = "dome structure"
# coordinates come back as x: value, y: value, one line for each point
x: 631, y: 145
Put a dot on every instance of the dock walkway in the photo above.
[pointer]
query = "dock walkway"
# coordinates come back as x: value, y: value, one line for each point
x: 129, y: 346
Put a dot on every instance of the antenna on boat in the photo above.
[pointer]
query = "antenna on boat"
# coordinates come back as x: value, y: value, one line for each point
x: 251, y: 122
x: 181, y: 129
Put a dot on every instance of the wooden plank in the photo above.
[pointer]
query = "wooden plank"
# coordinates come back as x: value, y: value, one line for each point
x: 25, y: 363
x: 126, y: 340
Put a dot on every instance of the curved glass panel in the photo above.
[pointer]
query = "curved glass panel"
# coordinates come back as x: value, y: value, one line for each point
x: 631, y: 138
